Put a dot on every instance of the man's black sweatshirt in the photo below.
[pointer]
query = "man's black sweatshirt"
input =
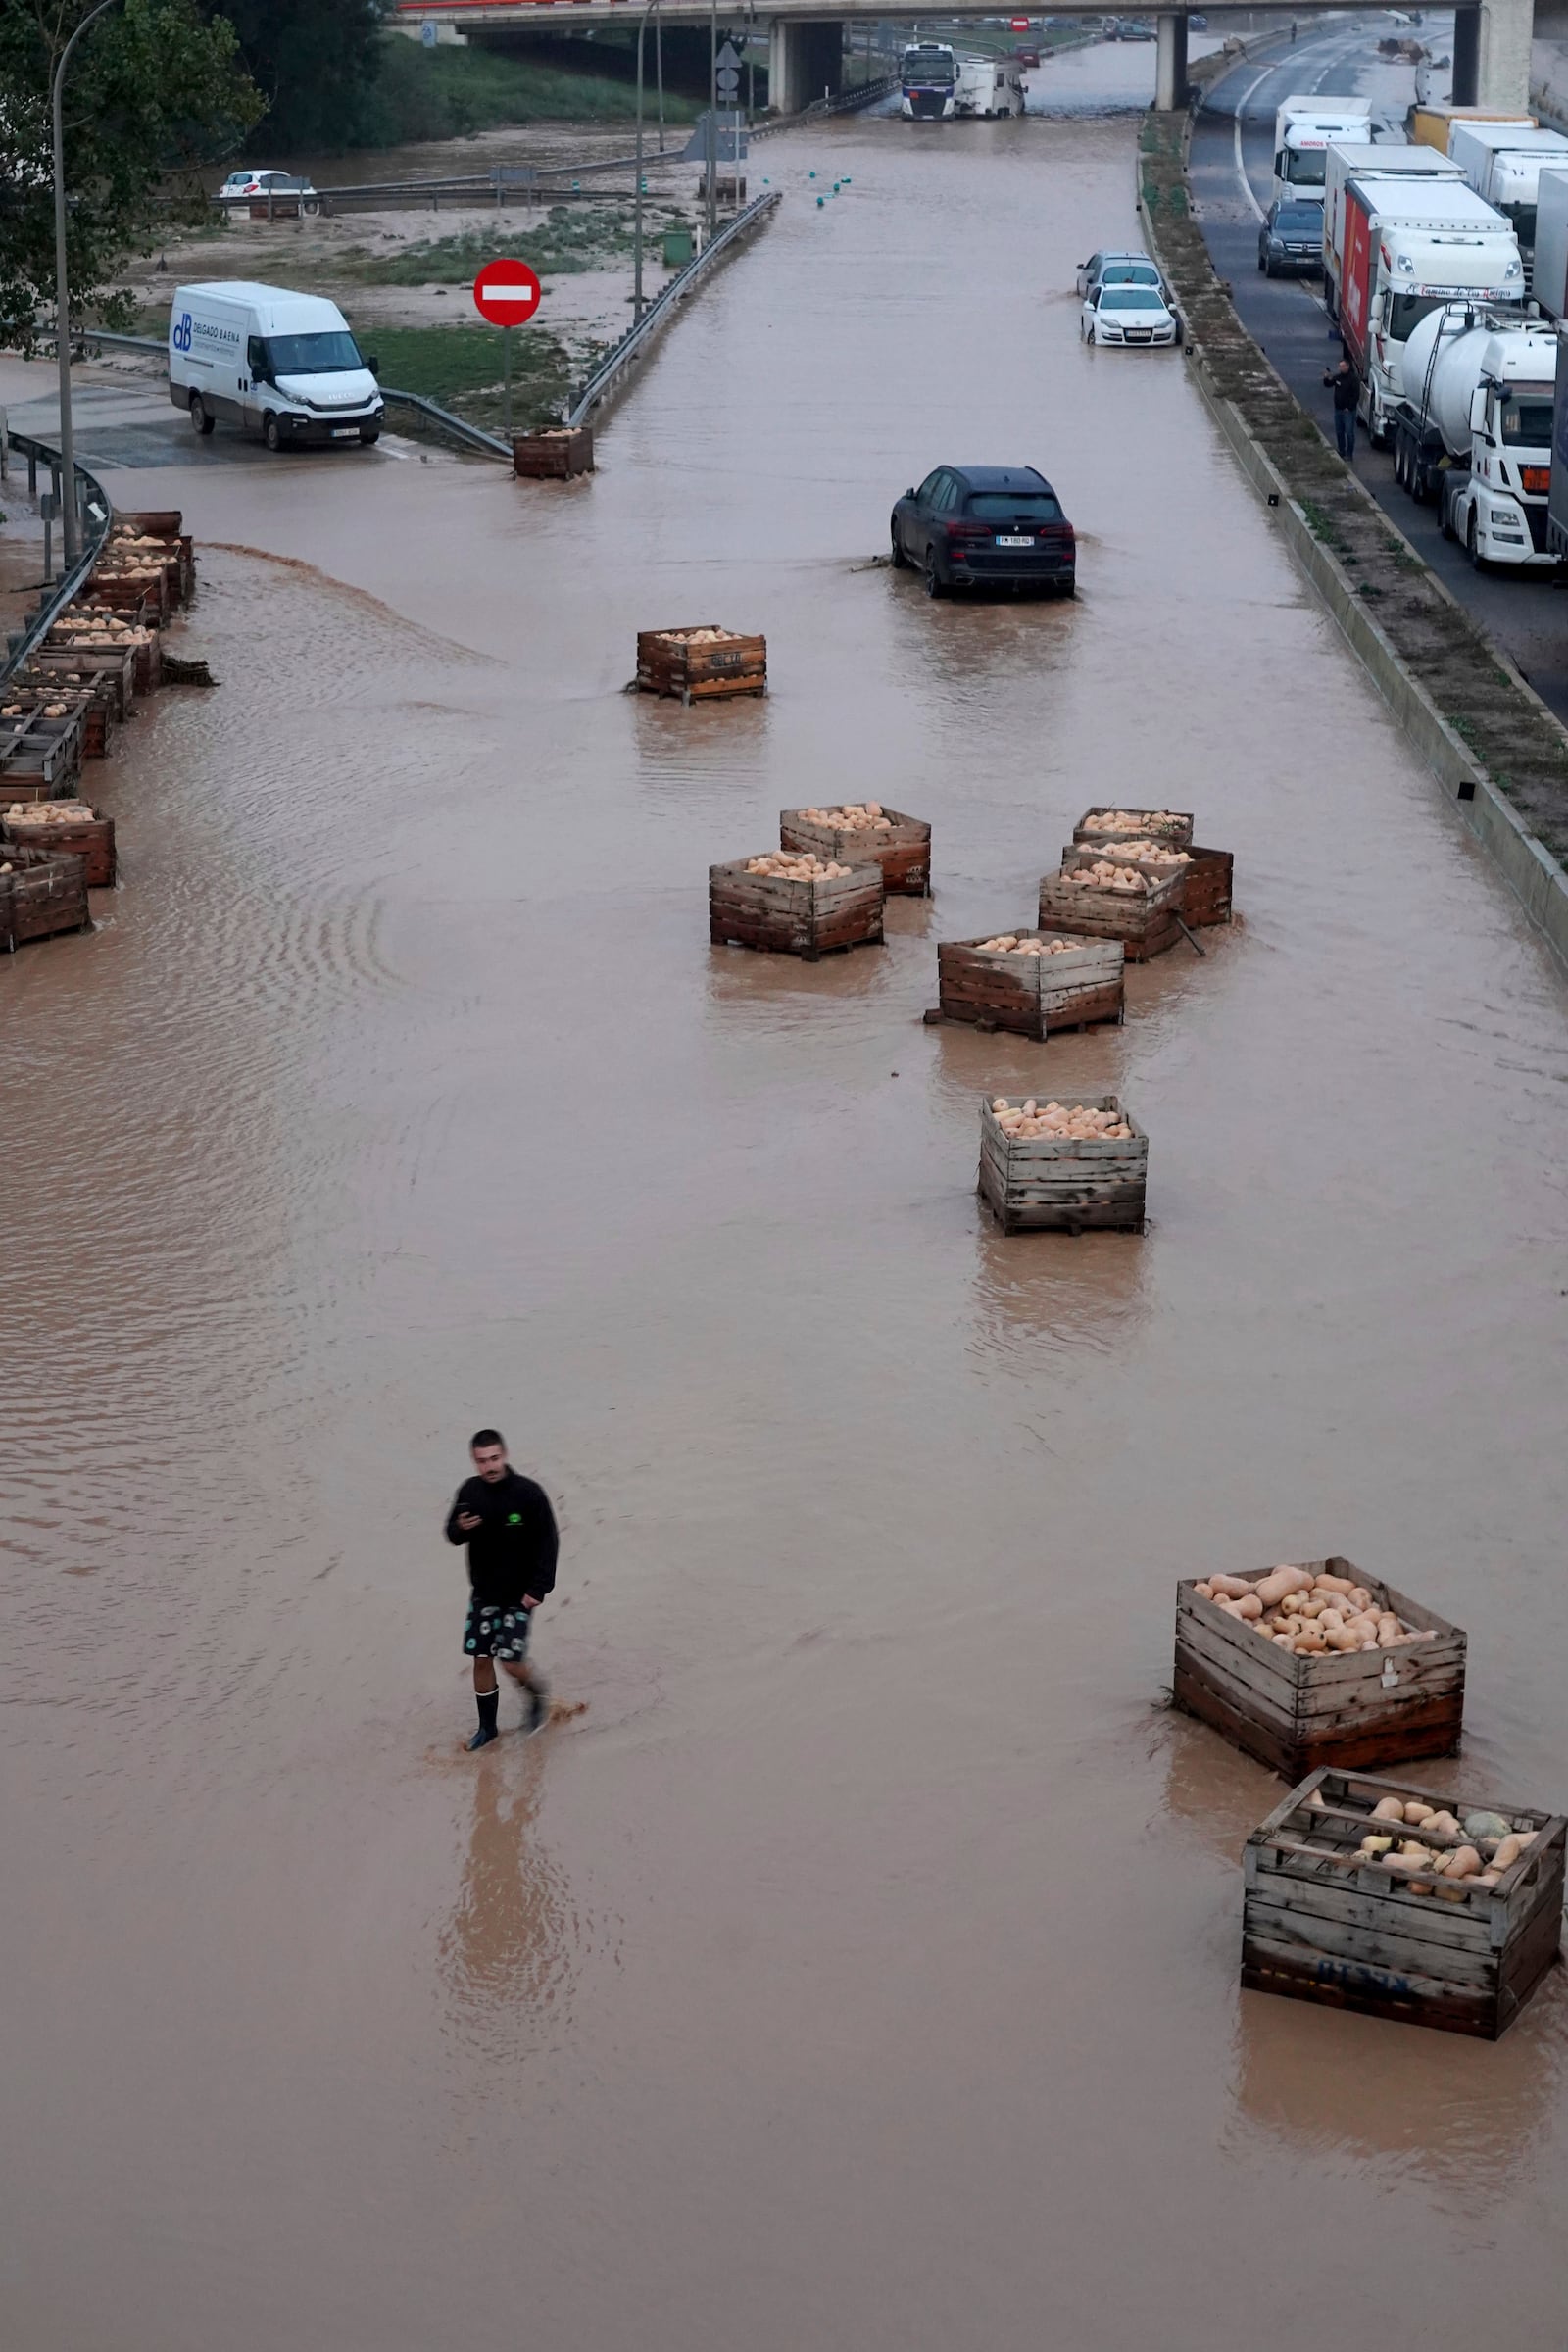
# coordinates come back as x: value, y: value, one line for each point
x: 515, y: 1551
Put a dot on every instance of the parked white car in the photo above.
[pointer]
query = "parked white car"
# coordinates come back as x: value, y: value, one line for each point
x: 282, y: 186
x: 1124, y: 314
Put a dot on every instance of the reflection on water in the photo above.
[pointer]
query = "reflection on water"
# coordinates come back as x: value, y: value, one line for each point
x: 1466, y: 2116
x: 510, y: 1952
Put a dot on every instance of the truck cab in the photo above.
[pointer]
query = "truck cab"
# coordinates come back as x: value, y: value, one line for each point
x: 1304, y: 129
x: 1475, y: 429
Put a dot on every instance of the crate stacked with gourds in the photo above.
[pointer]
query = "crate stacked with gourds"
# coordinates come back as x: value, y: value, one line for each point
x: 61, y: 707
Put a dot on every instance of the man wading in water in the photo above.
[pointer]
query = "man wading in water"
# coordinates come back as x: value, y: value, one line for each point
x: 510, y: 1529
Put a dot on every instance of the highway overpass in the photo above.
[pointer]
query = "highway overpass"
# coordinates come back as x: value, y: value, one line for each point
x: 1491, y: 50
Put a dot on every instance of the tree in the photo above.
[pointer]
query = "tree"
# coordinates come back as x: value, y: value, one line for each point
x: 315, y: 63
x: 152, y: 91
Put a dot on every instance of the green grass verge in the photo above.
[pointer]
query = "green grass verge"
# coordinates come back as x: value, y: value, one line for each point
x: 459, y: 368
x: 575, y: 239
x: 450, y: 93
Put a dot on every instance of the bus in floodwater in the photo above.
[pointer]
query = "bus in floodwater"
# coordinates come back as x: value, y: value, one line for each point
x: 929, y: 79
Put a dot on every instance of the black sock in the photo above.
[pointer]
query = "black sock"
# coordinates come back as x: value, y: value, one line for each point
x: 488, y: 1702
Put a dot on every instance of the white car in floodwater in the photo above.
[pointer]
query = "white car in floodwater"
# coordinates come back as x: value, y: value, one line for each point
x: 1123, y: 313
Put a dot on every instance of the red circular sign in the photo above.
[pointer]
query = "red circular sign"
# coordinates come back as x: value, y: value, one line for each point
x: 507, y: 293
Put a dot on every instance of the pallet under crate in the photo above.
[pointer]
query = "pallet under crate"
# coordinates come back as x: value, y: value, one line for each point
x: 1292, y: 1713
x: 1334, y: 1926
x: 693, y: 666
x: 1050, y: 1184
x: 903, y: 850
x: 807, y: 918
x: 1031, y: 994
x: 1144, y: 920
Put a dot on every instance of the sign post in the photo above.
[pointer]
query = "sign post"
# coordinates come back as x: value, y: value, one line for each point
x: 507, y: 294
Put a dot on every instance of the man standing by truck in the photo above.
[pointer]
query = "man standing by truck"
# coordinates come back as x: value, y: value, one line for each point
x: 510, y: 1529
x: 1345, y: 386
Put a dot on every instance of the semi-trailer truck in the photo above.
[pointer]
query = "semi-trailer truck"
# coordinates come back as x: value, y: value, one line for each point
x: 1409, y: 246
x: 1557, y: 487
x: 1549, y: 283
x: 927, y: 79
x: 1503, y: 166
x: 1347, y: 161
x: 1475, y: 426
x: 1433, y: 125
x: 1305, y: 129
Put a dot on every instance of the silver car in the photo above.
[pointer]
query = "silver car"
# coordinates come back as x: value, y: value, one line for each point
x: 1123, y: 268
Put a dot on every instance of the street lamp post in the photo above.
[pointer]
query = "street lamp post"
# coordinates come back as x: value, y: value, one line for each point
x: 637, y: 213
x: 68, y: 450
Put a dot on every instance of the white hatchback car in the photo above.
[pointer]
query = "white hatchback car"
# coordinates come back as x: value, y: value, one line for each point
x: 1127, y: 315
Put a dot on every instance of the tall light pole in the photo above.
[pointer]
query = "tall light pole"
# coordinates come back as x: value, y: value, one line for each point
x: 637, y: 213
x: 68, y: 446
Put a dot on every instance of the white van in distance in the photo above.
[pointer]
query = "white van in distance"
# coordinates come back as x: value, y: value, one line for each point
x: 281, y: 365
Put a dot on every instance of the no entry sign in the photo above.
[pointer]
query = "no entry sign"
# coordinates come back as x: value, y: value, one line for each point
x: 507, y: 293
x: 1018, y: 24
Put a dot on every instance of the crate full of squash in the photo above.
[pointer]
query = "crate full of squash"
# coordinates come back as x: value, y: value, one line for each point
x: 701, y: 664
x: 1318, y: 1663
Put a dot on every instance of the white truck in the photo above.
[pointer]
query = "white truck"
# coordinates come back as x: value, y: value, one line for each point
x: 988, y: 86
x: 1549, y: 283
x: 1503, y: 165
x: 1347, y: 161
x: 1305, y: 129
x: 1411, y: 245
x: 1473, y: 428
x: 283, y: 365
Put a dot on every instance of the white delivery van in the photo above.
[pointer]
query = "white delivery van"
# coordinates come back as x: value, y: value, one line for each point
x: 282, y: 364
x: 1305, y: 129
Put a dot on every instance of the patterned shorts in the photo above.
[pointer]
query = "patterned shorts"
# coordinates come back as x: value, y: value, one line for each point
x: 496, y: 1633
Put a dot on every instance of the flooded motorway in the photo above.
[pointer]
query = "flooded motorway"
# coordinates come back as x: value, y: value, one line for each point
x: 859, y: 1968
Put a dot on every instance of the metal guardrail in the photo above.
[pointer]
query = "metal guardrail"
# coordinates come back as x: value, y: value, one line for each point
x: 96, y: 514
x: 603, y: 378
x: 848, y: 102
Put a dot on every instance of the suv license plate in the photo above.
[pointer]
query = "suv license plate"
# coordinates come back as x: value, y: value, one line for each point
x: 1000, y: 542
x: 344, y: 432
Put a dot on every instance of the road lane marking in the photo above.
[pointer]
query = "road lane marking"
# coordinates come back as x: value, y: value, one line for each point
x: 1240, y: 166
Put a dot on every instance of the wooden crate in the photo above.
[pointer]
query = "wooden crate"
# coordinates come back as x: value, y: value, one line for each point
x: 1360, y: 1707
x: 795, y: 918
x: 111, y: 667
x: 668, y: 662
x: 90, y: 838
x: 40, y: 894
x: 1177, y: 831
x: 553, y: 455
x: 165, y: 523
x: 1144, y: 921
x: 143, y: 648
x: 41, y: 751
x: 138, y: 592
x: 1206, y: 887
x: 903, y: 851
x: 35, y: 690
x: 1332, y: 1926
x: 1031, y: 994
x: 1041, y: 1185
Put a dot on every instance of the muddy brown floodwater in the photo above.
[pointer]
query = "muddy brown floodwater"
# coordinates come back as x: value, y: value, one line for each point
x: 860, y: 1970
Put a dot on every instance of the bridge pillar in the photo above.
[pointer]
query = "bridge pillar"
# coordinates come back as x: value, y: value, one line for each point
x: 1170, y: 65
x: 803, y: 61
x: 1466, y: 54
x: 1502, y: 61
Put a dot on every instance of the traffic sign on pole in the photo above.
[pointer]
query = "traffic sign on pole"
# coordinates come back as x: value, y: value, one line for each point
x: 507, y: 293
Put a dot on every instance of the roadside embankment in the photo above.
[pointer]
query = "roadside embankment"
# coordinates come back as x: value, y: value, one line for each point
x: 1479, y: 727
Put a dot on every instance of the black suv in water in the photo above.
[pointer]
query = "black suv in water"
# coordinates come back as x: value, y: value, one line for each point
x: 981, y: 527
